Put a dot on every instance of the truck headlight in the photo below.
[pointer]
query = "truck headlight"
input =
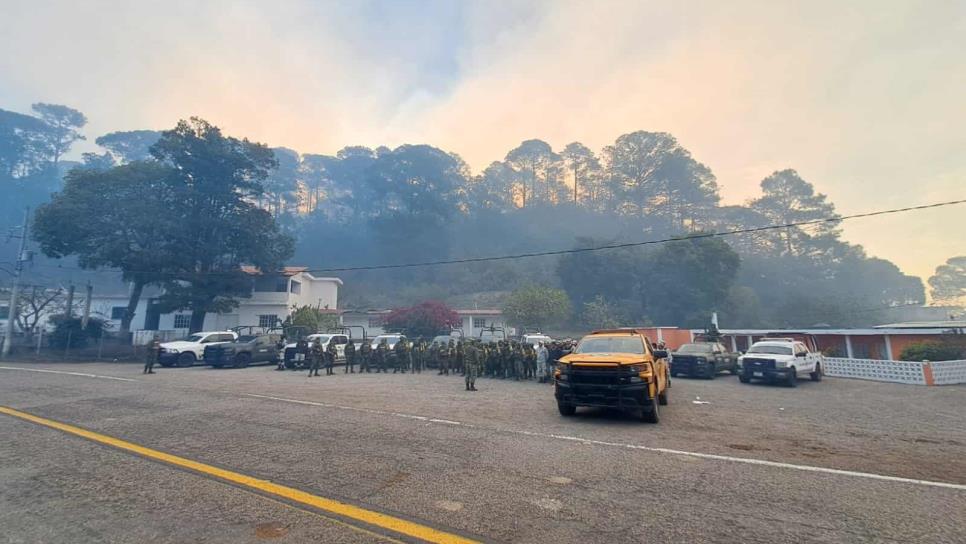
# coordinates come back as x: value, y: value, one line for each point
x: 780, y: 364
x: 636, y: 369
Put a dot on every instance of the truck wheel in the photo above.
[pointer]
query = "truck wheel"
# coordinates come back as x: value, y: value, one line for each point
x: 242, y: 360
x: 817, y: 375
x: 792, y: 379
x: 566, y: 410
x: 652, y: 414
x: 662, y: 398
x: 711, y: 372
x: 186, y: 359
x: 744, y: 378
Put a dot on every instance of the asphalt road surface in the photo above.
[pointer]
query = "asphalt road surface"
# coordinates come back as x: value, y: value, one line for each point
x: 101, y: 453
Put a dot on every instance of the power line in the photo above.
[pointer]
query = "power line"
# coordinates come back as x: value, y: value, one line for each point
x: 833, y: 219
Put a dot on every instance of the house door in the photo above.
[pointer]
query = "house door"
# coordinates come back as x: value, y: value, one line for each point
x: 152, y: 316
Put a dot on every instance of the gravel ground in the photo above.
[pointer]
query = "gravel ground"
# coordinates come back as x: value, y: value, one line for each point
x: 498, y: 464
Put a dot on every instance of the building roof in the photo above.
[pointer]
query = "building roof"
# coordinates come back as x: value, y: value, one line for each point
x: 284, y: 271
x: 946, y: 324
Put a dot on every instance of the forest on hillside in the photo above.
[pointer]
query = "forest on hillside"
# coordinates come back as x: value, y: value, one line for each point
x: 417, y: 203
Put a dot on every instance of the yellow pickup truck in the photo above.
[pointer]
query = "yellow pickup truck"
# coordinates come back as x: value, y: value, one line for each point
x: 614, y: 368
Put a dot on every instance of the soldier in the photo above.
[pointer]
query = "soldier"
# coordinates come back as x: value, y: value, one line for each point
x: 382, y: 353
x: 531, y: 361
x: 516, y: 358
x: 365, y: 357
x: 458, y: 358
x: 445, y: 354
x: 472, y: 365
x: 331, y: 352
x: 152, y: 355
x: 543, y: 369
x: 419, y: 353
x: 400, y: 355
x: 315, y: 358
x: 350, y: 357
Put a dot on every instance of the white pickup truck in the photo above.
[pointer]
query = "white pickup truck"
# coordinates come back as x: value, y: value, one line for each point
x: 780, y: 360
x: 340, y: 341
x: 188, y: 350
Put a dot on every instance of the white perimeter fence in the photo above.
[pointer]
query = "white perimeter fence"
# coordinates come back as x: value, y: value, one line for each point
x: 911, y: 372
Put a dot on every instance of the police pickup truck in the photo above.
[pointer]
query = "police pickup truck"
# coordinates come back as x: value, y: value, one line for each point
x: 703, y: 359
x: 188, y: 350
x: 781, y: 360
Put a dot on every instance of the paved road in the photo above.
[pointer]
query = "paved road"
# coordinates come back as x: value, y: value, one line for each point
x: 496, y: 465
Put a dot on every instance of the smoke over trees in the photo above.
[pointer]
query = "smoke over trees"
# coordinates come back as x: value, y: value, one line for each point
x: 373, y: 206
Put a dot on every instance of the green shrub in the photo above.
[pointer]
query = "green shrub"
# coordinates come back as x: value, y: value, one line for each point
x: 70, y: 329
x: 932, y: 350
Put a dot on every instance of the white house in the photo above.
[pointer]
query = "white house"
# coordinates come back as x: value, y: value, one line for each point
x: 272, y: 299
x: 473, y: 321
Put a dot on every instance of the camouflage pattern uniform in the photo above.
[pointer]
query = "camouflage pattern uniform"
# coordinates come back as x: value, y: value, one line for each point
x: 382, y: 354
x: 350, y: 357
x: 152, y: 355
x: 472, y: 364
x: 315, y: 358
x: 331, y: 352
x: 401, y: 352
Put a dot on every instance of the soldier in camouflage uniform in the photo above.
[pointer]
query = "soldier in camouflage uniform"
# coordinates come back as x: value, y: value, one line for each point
x: 382, y: 356
x: 419, y: 356
x: 472, y: 364
x: 331, y: 353
x: 401, y: 356
x: 365, y: 357
x: 152, y: 355
x: 315, y: 358
x: 458, y: 358
x: 350, y: 357
x: 445, y: 354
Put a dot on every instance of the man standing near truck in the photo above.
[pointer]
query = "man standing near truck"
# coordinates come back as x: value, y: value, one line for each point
x: 471, y: 364
x: 350, y: 357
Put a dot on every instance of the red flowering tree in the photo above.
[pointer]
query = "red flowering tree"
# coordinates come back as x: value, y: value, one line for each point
x: 424, y: 319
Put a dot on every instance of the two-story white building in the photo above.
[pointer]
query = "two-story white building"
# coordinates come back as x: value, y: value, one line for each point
x: 273, y: 297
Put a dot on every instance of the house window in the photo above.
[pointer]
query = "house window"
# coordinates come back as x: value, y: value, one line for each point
x: 295, y: 287
x: 117, y: 312
x: 479, y: 322
x: 281, y: 285
x: 4, y: 312
x: 182, y: 321
x: 267, y: 320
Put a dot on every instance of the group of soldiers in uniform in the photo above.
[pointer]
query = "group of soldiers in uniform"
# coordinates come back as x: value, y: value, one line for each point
x: 471, y: 358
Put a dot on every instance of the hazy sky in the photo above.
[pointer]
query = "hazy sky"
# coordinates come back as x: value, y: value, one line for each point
x: 867, y: 100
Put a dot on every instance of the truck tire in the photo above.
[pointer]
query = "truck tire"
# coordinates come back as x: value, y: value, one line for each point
x: 817, y: 375
x: 744, y: 378
x: 566, y: 410
x: 652, y: 414
x: 711, y: 372
x: 186, y: 359
x: 242, y: 360
x: 792, y: 380
x: 662, y: 398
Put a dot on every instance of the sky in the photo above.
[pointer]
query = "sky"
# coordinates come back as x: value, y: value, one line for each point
x: 865, y: 98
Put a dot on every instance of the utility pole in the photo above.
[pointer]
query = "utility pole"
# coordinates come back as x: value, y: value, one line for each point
x: 69, y: 310
x: 87, y: 306
x: 15, y: 292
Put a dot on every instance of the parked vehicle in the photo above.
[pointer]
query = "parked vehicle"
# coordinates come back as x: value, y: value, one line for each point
x: 780, y: 360
x: 535, y: 338
x: 340, y: 341
x: 188, y: 350
x: 391, y: 340
x: 703, y: 359
x: 614, y: 368
x: 246, y: 350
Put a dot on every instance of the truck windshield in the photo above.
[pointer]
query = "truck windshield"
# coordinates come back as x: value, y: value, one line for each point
x: 774, y: 350
x: 611, y: 344
x: 695, y: 348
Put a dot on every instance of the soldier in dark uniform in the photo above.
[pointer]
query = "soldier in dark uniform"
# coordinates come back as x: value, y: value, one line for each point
x: 365, y: 357
x: 472, y: 363
x: 350, y: 357
x: 152, y: 355
x: 419, y: 355
x: 315, y: 358
x: 331, y: 352
x: 445, y: 354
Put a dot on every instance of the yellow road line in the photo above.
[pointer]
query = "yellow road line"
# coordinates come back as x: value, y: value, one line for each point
x: 377, y: 519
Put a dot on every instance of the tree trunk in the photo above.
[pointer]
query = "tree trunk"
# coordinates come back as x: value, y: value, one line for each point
x: 197, y: 321
x: 132, y: 305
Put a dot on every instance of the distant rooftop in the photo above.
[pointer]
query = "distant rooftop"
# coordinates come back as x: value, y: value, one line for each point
x: 947, y: 324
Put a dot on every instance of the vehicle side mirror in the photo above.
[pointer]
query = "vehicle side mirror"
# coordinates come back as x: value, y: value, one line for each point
x: 660, y: 354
